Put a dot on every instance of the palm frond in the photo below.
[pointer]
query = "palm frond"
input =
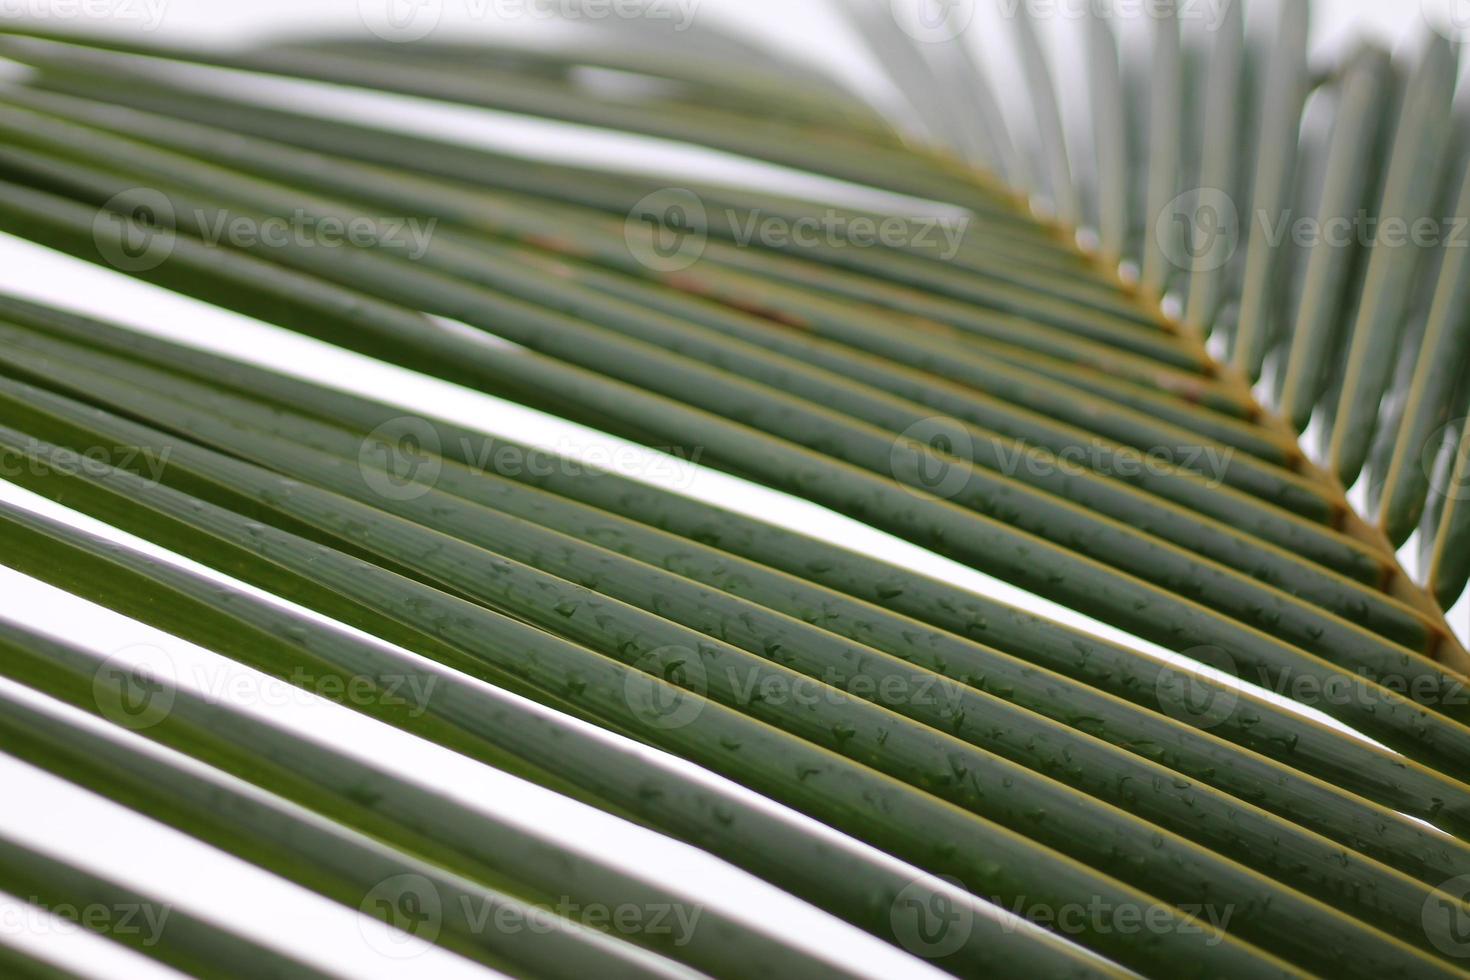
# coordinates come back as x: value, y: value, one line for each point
x: 1265, y: 754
